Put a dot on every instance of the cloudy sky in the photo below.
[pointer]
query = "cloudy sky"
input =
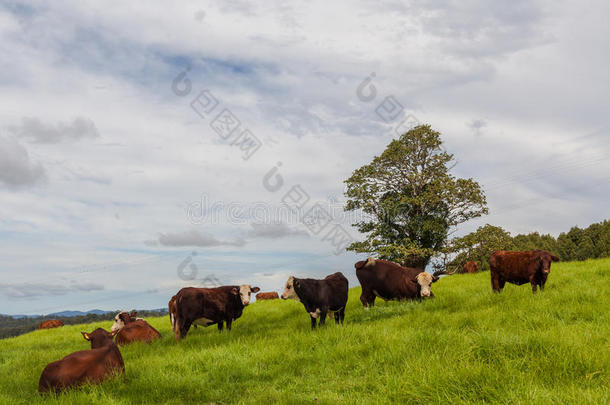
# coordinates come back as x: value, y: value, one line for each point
x: 147, y: 148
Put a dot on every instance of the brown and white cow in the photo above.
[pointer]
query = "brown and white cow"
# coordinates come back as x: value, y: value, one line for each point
x: 209, y: 306
x: 532, y: 266
x: 267, y: 296
x: 319, y: 296
x: 470, y: 267
x: 85, y: 366
x: 130, y: 329
x: 390, y: 281
x: 51, y: 323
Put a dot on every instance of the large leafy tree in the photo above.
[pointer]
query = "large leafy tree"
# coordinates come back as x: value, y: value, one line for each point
x: 410, y: 199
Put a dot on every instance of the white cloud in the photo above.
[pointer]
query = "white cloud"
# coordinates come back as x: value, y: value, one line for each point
x: 33, y: 130
x: 16, y: 167
x: 195, y: 238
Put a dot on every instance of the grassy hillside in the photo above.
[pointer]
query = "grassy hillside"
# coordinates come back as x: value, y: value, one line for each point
x: 465, y: 345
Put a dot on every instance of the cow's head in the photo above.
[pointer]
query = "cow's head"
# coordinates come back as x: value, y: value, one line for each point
x: 289, y: 291
x: 545, y: 259
x: 244, y: 292
x: 99, y: 337
x: 121, y: 319
x: 424, y: 280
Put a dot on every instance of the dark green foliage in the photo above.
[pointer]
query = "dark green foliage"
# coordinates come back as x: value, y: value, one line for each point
x: 576, y: 245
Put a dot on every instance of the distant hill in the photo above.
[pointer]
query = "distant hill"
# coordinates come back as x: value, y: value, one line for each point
x: 14, y: 325
x: 79, y: 313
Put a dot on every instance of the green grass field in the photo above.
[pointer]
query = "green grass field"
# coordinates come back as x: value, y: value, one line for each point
x: 466, y: 345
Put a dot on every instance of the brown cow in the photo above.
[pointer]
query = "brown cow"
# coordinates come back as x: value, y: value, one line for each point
x: 209, y: 306
x: 518, y: 268
x: 131, y: 329
x: 51, y: 323
x: 267, y: 296
x: 470, y: 267
x: 85, y: 366
x: 389, y: 281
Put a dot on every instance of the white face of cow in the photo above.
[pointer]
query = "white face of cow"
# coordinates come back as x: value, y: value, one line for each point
x: 425, y: 282
x: 244, y: 293
x: 289, y: 292
x: 118, y: 323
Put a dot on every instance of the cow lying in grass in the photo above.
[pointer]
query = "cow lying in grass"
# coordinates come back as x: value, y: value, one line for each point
x: 319, y: 296
x: 130, y: 329
x: 85, y: 366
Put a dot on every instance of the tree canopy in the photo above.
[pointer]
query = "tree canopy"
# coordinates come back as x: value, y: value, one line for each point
x: 410, y: 200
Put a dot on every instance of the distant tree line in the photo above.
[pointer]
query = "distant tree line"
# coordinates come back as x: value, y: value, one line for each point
x: 577, y: 244
x: 10, y: 326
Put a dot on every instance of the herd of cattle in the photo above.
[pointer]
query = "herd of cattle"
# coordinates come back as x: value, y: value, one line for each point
x: 222, y: 305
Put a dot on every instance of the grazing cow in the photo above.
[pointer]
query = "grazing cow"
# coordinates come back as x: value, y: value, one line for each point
x: 389, y: 281
x: 131, y: 329
x: 518, y: 268
x: 51, y: 323
x: 267, y: 296
x: 319, y: 296
x: 470, y: 267
x: 208, y: 306
x: 85, y: 366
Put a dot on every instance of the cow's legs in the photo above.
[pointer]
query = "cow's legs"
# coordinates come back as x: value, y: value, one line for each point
x: 220, y: 326
x: 340, y: 315
x: 322, y: 317
x: 495, y: 283
x: 534, y: 287
x: 337, y: 316
x: 367, y: 298
x: 229, y: 322
x: 313, y: 322
x: 184, y: 328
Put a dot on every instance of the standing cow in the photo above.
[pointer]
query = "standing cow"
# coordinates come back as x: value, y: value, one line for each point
x: 389, y: 281
x: 518, y: 268
x: 86, y: 366
x: 319, y: 296
x: 470, y: 267
x: 208, y: 306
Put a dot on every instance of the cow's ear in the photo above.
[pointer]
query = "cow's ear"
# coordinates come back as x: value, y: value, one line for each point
x: 235, y: 291
x: 133, y: 313
x: 414, y: 280
x: 255, y: 289
x: 86, y: 336
x: 554, y: 258
x: 297, y: 283
x: 435, y: 279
